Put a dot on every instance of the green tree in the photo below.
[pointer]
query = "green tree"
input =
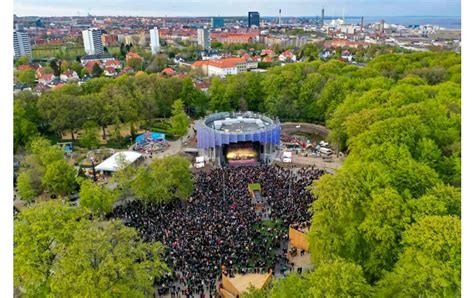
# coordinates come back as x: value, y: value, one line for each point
x: 107, y: 258
x: 96, y: 71
x: 179, y: 121
x: 217, y: 101
x: 135, y: 63
x: 338, y: 279
x: 293, y: 285
x: 60, y: 178
x: 25, y: 127
x: 40, y: 232
x: 158, y: 63
x: 26, y: 77
x: 165, y: 180
x: 89, y: 138
x: 22, y: 60
x: 430, y: 264
x: 97, y: 199
x: 26, y: 189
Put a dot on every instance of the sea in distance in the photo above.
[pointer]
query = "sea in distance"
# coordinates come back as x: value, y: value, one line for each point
x: 447, y: 22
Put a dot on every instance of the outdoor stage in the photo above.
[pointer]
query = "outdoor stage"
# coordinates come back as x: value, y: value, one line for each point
x: 235, y: 139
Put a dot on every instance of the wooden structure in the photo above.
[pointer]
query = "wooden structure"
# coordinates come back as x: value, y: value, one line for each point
x: 235, y: 286
x: 298, y: 239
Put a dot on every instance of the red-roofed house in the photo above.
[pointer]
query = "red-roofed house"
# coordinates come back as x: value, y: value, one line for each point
x: 110, y: 71
x: 132, y: 55
x: 168, y: 71
x: 90, y: 65
x: 287, y: 56
x: 113, y: 63
x: 225, y: 66
x: 69, y: 75
x: 46, y: 79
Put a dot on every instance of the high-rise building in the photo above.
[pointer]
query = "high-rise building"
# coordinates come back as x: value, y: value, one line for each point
x: 217, y: 22
x: 21, y: 43
x: 155, y: 40
x: 322, y: 17
x: 92, y: 41
x: 254, y: 19
x: 203, y: 38
x: 279, y: 17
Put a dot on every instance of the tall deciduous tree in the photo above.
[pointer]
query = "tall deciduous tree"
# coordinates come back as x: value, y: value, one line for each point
x: 179, y: 121
x: 166, y: 179
x: 97, y: 199
x: 89, y: 138
x: 430, y: 264
x: 40, y: 232
x: 59, y: 178
x: 107, y: 258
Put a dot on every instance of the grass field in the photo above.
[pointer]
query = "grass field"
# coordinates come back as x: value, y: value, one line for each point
x: 64, y: 52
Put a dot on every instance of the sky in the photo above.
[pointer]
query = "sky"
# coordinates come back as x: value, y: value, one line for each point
x: 236, y: 7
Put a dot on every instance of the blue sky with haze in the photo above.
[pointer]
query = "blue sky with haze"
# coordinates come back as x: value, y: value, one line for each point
x: 237, y: 7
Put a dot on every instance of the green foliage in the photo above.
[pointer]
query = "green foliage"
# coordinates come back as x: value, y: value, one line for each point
x: 135, y: 63
x: 338, y: 279
x: 179, y: 121
x: 430, y: 264
x: 59, y: 178
x: 26, y: 77
x: 26, y: 190
x: 40, y: 233
x: 97, y: 71
x: 59, y: 254
x: 165, y: 180
x: 22, y: 60
x: 107, y: 258
x: 89, y: 138
x: 25, y: 119
x: 95, y: 198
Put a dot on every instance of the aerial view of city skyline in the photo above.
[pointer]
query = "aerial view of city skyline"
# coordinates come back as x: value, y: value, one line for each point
x: 236, y: 149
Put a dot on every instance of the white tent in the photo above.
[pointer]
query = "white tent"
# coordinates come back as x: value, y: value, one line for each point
x: 112, y: 163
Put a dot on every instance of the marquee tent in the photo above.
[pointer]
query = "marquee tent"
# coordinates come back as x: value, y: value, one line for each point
x: 112, y: 163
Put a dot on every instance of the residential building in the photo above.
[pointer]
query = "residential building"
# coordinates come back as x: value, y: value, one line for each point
x: 155, y: 40
x: 203, y: 38
x: 132, y: 55
x: 69, y: 75
x: 109, y: 39
x: 92, y: 41
x: 254, y: 19
x: 238, y: 38
x: 217, y: 22
x: 21, y: 43
x: 99, y: 58
x: 223, y: 67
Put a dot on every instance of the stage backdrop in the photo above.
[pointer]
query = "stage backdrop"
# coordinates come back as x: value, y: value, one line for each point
x: 209, y: 137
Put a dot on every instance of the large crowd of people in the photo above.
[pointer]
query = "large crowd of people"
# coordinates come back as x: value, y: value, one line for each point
x: 217, y: 227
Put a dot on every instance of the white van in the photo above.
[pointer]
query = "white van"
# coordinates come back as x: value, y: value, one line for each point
x: 286, y: 157
x: 199, y: 162
x: 326, y: 151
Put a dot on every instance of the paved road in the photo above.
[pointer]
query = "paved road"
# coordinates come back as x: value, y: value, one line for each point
x: 174, y: 146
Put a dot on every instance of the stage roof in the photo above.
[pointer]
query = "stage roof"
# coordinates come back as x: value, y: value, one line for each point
x: 111, y: 164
